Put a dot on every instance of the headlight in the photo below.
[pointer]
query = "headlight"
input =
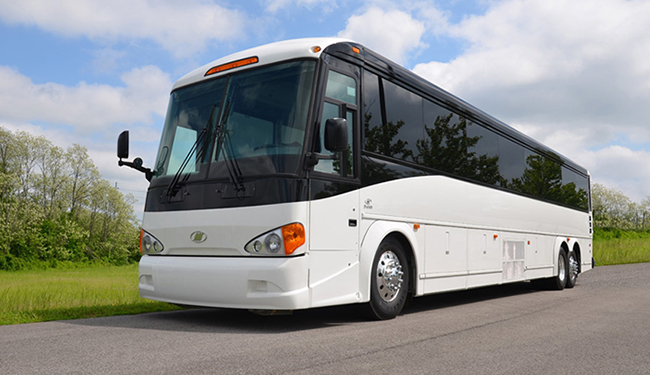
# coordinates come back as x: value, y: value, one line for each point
x: 281, y: 241
x: 149, y: 244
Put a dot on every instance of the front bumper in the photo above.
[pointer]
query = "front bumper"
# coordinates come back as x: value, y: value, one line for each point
x: 232, y: 282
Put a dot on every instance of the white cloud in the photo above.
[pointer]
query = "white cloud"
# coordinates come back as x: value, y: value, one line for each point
x: 577, y: 65
x: 277, y: 5
x: 86, y: 107
x: 392, y: 33
x: 622, y: 168
x: 182, y: 27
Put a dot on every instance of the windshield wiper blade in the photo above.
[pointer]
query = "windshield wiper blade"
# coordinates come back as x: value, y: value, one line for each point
x: 225, y: 145
x: 233, y: 165
x: 173, y: 188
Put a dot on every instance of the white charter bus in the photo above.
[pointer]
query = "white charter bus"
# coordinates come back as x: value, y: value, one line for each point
x: 316, y: 172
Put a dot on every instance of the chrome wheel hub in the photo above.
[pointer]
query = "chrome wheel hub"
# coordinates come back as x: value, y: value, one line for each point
x: 389, y: 276
x: 573, y: 267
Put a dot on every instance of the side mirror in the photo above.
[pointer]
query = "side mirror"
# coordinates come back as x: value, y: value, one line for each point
x: 336, y: 134
x: 123, y: 153
x: 123, y: 145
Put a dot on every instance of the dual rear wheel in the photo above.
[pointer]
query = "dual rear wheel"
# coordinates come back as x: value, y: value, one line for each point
x: 567, y: 275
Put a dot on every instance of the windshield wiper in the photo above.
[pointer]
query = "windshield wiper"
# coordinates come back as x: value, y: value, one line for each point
x: 173, y: 187
x: 225, y: 144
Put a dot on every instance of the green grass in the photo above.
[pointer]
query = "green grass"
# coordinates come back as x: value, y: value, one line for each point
x: 57, y: 294
x: 609, y: 251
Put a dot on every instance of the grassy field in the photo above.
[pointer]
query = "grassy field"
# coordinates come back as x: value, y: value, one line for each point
x: 621, y: 251
x: 56, y: 294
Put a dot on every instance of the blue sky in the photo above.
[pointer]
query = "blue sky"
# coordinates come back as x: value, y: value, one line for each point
x: 573, y: 74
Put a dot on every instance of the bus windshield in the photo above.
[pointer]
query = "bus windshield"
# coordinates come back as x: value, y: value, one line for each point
x: 254, y: 120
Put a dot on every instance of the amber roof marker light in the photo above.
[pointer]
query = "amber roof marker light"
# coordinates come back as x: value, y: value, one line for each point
x: 232, y: 65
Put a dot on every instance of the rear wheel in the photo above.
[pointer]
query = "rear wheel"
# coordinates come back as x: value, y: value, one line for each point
x: 573, y: 270
x: 389, y: 280
x: 556, y: 282
x: 559, y: 282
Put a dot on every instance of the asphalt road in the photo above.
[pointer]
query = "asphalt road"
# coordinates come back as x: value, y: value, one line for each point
x: 602, y: 326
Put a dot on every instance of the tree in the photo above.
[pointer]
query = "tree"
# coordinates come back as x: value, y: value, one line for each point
x: 54, y: 206
x: 83, y: 175
x: 612, y: 208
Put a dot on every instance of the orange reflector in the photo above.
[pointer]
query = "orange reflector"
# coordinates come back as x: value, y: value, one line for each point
x: 315, y: 49
x: 141, y: 234
x: 232, y: 65
x: 568, y: 240
x: 496, y: 236
x: 416, y: 226
x: 293, y: 236
x: 356, y: 50
x: 529, y: 242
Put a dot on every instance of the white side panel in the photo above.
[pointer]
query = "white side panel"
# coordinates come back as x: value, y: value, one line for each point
x: 445, y: 258
x: 334, y: 249
x: 447, y: 202
x: 484, y: 258
x: 338, y: 277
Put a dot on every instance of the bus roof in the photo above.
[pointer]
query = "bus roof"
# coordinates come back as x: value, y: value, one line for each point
x: 267, y: 54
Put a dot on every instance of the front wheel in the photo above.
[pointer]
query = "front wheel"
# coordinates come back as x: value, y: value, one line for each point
x: 389, y: 280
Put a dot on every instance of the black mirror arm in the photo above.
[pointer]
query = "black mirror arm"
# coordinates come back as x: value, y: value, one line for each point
x: 312, y: 158
x: 137, y: 165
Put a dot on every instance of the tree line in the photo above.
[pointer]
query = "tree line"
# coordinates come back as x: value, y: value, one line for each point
x: 614, y: 210
x: 55, y: 207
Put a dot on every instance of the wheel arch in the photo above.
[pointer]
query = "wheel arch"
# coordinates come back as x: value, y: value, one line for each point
x: 376, y: 233
x: 576, y: 251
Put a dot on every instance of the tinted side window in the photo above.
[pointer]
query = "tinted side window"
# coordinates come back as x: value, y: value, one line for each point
x: 483, y: 154
x: 575, y: 188
x: 511, y: 162
x: 372, y: 120
x: 404, y: 126
x: 341, y: 87
x: 444, y: 145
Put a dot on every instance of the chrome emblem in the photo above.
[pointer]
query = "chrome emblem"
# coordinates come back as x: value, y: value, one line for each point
x: 198, y: 236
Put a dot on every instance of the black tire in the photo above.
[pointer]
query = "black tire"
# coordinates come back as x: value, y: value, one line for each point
x: 556, y: 282
x: 573, y: 269
x: 389, y: 280
x: 559, y: 282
